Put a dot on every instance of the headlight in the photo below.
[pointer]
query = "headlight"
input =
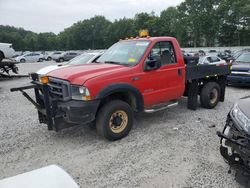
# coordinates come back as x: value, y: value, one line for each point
x: 241, y: 118
x: 80, y: 93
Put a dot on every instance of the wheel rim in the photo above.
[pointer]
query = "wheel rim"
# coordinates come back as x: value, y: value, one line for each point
x: 118, y: 121
x: 213, y: 95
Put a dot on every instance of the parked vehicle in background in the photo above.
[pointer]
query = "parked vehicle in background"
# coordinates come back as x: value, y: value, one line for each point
x: 18, y: 53
x: 6, y: 51
x: 193, y: 54
x: 238, y: 53
x: 52, y: 55
x: 201, y: 53
x: 225, y: 56
x: 85, y: 58
x: 240, y: 74
x: 210, y: 60
x: 228, y: 51
x: 30, y: 57
x: 66, y: 56
x: 235, y: 137
x: 212, y: 53
x: 141, y: 74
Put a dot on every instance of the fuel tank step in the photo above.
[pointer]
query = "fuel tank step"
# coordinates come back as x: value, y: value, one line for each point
x: 161, y: 107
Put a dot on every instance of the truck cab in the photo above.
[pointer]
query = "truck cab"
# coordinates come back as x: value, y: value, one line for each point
x: 134, y: 75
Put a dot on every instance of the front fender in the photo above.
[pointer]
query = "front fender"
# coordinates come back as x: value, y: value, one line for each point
x: 126, y: 88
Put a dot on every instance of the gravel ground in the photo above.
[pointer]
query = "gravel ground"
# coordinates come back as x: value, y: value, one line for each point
x: 171, y: 148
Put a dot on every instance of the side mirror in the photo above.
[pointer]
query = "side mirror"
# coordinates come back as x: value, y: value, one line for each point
x: 150, y: 65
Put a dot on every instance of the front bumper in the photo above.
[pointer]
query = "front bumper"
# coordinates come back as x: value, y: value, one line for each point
x: 59, y: 114
x: 235, y: 143
x: 238, y: 80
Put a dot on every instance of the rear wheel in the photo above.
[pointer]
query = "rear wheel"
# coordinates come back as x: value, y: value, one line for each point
x: 61, y: 60
x: 210, y: 95
x: 40, y: 60
x: 22, y: 60
x: 49, y: 58
x: 114, y: 120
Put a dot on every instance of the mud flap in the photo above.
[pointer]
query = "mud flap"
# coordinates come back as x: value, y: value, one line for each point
x: 192, y: 94
x: 222, y: 82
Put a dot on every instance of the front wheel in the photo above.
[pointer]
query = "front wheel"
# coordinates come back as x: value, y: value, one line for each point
x: 114, y: 120
x: 210, y: 95
x: 61, y: 60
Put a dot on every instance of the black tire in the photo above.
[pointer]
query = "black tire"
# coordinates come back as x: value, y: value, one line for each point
x: 1, y: 56
x: 210, y: 95
x: 114, y: 129
x: 49, y: 59
x: 61, y: 60
x: 40, y: 60
x: 22, y: 60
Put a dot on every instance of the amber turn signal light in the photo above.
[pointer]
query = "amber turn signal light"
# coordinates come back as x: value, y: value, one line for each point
x: 44, y: 79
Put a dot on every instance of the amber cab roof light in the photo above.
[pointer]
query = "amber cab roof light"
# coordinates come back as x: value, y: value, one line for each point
x: 143, y: 33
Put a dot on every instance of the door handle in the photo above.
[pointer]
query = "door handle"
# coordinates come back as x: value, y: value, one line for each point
x: 135, y: 78
x: 179, y: 72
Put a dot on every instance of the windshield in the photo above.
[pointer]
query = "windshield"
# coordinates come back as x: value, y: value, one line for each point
x: 126, y: 53
x: 244, y: 58
x: 82, y: 59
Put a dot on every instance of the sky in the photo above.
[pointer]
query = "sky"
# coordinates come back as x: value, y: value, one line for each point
x: 55, y: 15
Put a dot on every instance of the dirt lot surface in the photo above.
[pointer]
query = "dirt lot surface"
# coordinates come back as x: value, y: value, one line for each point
x: 171, y: 148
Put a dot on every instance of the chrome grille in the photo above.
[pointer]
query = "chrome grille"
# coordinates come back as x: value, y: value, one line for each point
x: 59, y: 89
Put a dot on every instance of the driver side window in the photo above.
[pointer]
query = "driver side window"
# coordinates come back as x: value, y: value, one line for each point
x: 164, y: 53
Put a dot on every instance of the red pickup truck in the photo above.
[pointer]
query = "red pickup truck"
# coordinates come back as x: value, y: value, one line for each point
x: 134, y: 75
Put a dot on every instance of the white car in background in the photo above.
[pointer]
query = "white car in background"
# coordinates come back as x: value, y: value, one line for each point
x: 52, y: 55
x: 85, y: 58
x: 210, y: 60
x: 30, y: 57
x: 6, y: 51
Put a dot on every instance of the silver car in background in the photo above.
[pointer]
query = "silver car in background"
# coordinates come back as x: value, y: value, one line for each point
x: 210, y: 60
x: 52, y: 55
x: 66, y: 56
x: 30, y: 57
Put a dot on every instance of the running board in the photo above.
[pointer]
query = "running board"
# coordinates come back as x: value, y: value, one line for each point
x: 152, y: 110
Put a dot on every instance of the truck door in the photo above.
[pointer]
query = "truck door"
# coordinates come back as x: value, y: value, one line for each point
x: 166, y: 83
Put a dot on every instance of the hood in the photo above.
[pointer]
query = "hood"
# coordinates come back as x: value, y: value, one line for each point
x: 79, y: 74
x: 241, y: 67
x: 244, y: 105
x: 50, y: 68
